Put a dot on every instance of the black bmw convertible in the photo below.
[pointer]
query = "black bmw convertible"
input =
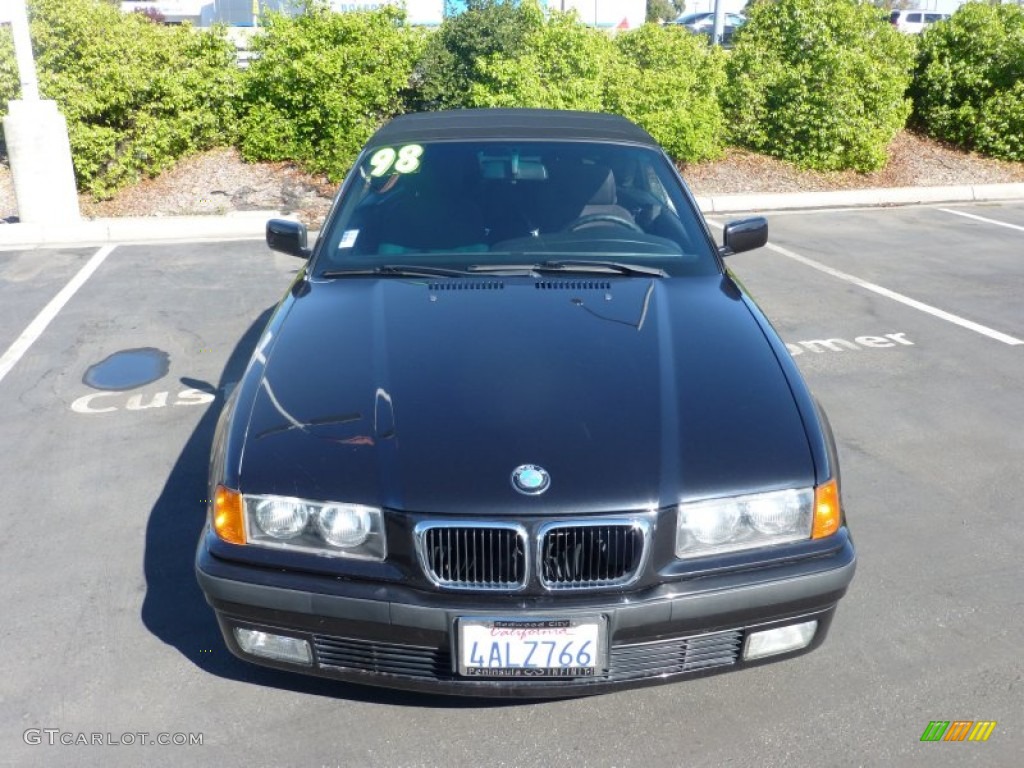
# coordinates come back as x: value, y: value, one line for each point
x: 515, y: 430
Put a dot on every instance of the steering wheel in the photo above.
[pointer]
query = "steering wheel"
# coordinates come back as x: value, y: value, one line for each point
x: 605, y: 218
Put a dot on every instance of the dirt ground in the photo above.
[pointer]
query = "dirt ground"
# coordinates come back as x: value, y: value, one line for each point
x: 219, y: 181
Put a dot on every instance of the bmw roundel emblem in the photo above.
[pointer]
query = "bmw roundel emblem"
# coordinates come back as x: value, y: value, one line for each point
x: 530, y: 479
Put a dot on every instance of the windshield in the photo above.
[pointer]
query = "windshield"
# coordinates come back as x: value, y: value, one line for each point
x: 476, y: 206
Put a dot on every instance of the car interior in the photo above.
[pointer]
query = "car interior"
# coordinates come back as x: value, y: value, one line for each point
x: 482, y: 198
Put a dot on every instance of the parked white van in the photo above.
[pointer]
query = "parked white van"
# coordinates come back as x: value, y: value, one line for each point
x: 915, y: 22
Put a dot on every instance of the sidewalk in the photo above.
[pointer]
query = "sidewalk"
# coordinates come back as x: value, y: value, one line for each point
x: 861, y: 198
x: 250, y: 224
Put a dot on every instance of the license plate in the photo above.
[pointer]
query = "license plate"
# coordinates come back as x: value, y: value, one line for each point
x: 538, y: 647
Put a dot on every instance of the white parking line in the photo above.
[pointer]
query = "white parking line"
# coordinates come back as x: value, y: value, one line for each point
x: 949, y: 317
x: 35, y: 329
x: 982, y: 218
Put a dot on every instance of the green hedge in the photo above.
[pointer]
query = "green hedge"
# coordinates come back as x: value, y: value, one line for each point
x: 969, y: 85
x: 562, y: 65
x: 669, y: 82
x: 820, y: 83
x: 448, y: 67
x: 665, y: 79
x: 322, y: 83
x: 9, y: 84
x: 136, y: 95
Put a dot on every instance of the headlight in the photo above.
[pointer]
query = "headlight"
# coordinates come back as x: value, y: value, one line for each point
x: 712, y: 523
x: 281, y: 519
x: 744, y: 522
x: 323, y: 528
x: 345, y: 525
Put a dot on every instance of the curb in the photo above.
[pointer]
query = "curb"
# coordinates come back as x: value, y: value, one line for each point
x: 236, y: 225
x: 240, y: 225
x: 860, y: 198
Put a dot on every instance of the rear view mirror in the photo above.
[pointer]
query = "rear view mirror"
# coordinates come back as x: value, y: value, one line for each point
x: 511, y: 166
x: 744, y: 235
x: 287, y: 236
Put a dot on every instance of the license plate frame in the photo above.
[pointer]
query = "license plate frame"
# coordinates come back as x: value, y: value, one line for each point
x: 515, y: 636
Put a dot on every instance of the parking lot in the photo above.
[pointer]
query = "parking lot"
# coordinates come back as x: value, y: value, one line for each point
x: 909, y: 325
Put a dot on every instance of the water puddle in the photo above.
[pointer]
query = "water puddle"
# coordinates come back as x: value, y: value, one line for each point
x: 128, y: 369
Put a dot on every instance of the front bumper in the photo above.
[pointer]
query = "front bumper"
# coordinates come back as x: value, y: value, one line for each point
x: 392, y: 636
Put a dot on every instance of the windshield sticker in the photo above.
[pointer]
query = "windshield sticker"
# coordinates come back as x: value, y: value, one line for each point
x: 404, y: 160
x: 348, y: 239
x: 409, y: 158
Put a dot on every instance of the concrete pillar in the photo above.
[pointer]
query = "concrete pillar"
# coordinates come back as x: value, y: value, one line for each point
x: 23, y: 50
x: 36, y: 135
x: 37, y: 141
x: 718, y: 31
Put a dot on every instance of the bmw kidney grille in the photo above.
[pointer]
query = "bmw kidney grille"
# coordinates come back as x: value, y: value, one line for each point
x: 571, y: 556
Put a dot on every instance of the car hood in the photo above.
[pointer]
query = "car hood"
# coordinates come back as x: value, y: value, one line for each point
x: 425, y: 395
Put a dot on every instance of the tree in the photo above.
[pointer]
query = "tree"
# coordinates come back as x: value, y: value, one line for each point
x: 660, y: 10
x: 453, y: 53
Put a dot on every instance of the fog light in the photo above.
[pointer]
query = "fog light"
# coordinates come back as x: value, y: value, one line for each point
x: 769, y: 642
x: 277, y: 647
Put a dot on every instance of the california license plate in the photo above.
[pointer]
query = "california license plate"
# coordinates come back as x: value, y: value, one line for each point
x: 537, y: 647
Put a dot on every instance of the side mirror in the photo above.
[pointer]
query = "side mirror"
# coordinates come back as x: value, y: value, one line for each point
x: 744, y: 235
x: 288, y: 237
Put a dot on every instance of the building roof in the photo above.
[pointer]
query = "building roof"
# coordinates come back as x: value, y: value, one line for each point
x: 479, y: 124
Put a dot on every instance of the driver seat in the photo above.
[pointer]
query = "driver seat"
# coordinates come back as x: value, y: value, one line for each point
x: 573, y: 190
x: 604, y: 199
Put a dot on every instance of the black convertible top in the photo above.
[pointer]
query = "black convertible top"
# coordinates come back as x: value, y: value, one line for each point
x: 510, y: 124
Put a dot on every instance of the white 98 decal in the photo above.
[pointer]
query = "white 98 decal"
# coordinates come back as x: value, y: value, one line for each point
x: 382, y: 161
x: 405, y: 160
x: 408, y: 158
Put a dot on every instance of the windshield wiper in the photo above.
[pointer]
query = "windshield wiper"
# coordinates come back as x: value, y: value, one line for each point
x: 394, y: 270
x: 573, y: 265
x: 580, y: 265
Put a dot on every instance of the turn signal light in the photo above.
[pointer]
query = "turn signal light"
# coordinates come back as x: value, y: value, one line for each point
x: 827, y: 515
x: 228, y: 521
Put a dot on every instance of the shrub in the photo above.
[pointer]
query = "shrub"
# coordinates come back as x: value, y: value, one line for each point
x: 562, y: 64
x: 668, y: 81
x: 969, y: 85
x: 322, y: 82
x: 448, y: 68
x: 136, y: 95
x: 821, y: 83
x: 1001, y: 126
x: 8, y: 69
x: 501, y: 54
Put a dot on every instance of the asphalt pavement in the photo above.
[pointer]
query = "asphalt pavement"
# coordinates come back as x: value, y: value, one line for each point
x: 908, y: 325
